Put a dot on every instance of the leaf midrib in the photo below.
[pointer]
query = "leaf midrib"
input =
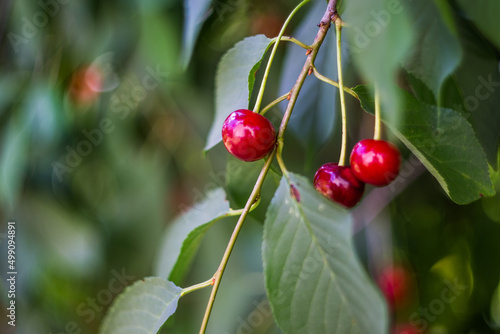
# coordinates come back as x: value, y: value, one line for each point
x: 322, y: 252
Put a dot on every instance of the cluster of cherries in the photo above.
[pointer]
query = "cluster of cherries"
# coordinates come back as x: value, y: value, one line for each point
x: 250, y: 136
x: 375, y: 162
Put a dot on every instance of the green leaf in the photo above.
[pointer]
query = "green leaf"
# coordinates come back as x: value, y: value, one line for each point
x: 183, y: 236
x: 484, y: 14
x: 195, y: 13
x: 473, y: 91
x: 142, y: 308
x: 422, y: 91
x: 234, y: 81
x: 444, y: 142
x: 380, y: 35
x: 314, y: 280
x: 241, y: 177
x: 436, y: 51
x: 313, y: 116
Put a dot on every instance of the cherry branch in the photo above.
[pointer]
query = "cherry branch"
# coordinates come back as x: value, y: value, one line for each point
x: 254, y: 196
x: 324, y: 25
x: 273, y: 53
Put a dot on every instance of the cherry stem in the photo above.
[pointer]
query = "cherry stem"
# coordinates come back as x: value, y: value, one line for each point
x: 238, y: 212
x: 273, y: 53
x: 279, y: 158
x: 338, y: 31
x: 333, y: 83
x: 252, y: 199
x: 324, y: 25
x: 377, y: 133
x: 294, y: 40
x: 198, y: 286
x: 275, y: 102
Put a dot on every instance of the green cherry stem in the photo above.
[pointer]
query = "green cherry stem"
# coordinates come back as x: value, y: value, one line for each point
x: 295, y: 41
x: 252, y: 199
x: 338, y: 30
x: 279, y: 158
x: 333, y: 83
x: 273, y: 53
x: 378, y: 122
x: 275, y: 102
x: 198, y: 286
x: 238, y: 212
x: 324, y: 25
x: 308, y: 65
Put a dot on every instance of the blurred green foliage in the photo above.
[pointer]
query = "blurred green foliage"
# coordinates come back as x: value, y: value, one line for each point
x: 92, y: 169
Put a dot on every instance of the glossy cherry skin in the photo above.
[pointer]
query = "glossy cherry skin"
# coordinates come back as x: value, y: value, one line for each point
x: 247, y: 135
x: 338, y: 184
x: 375, y: 162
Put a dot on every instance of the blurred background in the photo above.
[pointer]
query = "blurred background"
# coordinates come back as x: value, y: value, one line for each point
x: 104, y: 113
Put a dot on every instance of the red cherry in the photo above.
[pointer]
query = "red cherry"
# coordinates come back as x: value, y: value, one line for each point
x: 247, y: 135
x: 376, y: 162
x: 396, y: 285
x: 86, y: 85
x: 338, y: 184
x: 405, y: 329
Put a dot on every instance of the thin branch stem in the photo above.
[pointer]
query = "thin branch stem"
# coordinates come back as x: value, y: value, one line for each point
x: 273, y: 53
x: 238, y: 212
x: 275, y: 102
x: 338, y: 30
x: 295, y: 41
x: 324, y: 25
x: 198, y: 286
x: 254, y: 196
x: 279, y: 158
x: 333, y: 83
x: 377, y: 133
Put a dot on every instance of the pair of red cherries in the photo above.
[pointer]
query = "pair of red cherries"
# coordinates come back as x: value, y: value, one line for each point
x: 250, y: 136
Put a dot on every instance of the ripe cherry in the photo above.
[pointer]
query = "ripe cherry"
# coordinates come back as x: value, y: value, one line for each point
x: 247, y: 135
x: 396, y: 284
x: 86, y: 85
x: 338, y: 184
x: 376, y: 162
x: 405, y: 329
